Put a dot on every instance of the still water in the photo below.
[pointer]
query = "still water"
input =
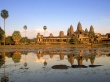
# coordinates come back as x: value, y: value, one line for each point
x: 55, y: 65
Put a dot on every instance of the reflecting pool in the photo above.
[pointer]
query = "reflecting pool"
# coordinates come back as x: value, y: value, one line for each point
x: 55, y: 65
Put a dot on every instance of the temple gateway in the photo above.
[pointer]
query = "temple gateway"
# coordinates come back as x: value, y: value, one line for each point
x: 79, y: 36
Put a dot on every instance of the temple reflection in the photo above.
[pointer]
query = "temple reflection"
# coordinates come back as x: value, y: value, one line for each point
x: 76, y: 58
x: 79, y: 56
x: 32, y: 65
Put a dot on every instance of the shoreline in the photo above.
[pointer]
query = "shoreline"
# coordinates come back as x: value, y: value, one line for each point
x: 56, y: 45
x: 49, y: 47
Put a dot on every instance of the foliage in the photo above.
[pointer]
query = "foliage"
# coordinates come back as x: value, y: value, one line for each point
x: 45, y: 27
x: 25, y: 39
x: 67, y: 40
x: 9, y: 54
x: 91, y: 34
x: 60, y: 40
x: 9, y: 40
x: 25, y: 27
x: 4, y: 14
x: 16, y: 36
x: 45, y: 63
x: 16, y: 57
x: 74, y: 40
x: 1, y: 34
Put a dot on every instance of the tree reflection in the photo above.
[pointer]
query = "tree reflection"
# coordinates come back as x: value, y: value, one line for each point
x: 2, y: 59
x: 5, y: 78
x: 25, y: 63
x: 9, y: 54
x: 45, y: 62
x: 16, y: 57
x: 25, y: 60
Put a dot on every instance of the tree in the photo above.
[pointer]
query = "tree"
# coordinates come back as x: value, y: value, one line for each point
x: 67, y: 40
x: 74, y: 40
x: 4, y: 15
x: 23, y: 39
x: 45, y: 27
x: 1, y: 34
x: 91, y: 37
x: 16, y: 36
x: 25, y: 28
x: 9, y: 40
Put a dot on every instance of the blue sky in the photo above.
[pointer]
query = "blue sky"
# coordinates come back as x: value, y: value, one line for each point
x: 57, y: 15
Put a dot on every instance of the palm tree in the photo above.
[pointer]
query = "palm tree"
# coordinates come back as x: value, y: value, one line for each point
x: 25, y: 28
x: 45, y: 27
x: 4, y: 15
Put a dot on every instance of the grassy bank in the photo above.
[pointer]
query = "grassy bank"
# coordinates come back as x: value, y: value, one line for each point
x: 55, y: 45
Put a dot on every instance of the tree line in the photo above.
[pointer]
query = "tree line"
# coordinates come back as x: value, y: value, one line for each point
x: 14, y: 39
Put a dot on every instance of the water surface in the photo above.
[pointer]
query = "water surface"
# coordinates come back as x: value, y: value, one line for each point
x: 56, y: 65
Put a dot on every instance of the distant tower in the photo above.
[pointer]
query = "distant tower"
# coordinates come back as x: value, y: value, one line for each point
x: 70, y: 31
x: 86, y: 30
x: 61, y: 34
x: 91, y: 28
x: 79, y: 27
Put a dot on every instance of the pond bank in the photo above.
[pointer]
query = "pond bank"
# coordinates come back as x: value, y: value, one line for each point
x: 57, y: 45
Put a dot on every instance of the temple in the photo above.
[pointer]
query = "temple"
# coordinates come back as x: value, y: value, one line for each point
x: 73, y: 37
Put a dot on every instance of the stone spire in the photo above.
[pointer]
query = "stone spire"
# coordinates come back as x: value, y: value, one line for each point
x: 86, y: 30
x: 71, y: 30
x: 61, y: 34
x: 68, y: 32
x: 79, y: 27
x: 91, y: 28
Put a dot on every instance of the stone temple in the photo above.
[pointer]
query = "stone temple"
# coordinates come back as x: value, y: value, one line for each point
x: 79, y: 36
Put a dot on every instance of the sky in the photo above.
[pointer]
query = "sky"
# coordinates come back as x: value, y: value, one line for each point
x: 57, y: 15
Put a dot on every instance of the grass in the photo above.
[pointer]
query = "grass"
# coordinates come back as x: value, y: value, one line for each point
x: 53, y: 45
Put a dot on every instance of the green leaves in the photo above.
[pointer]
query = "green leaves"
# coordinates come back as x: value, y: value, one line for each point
x: 91, y: 34
x: 45, y: 27
x: 16, y: 36
x: 4, y: 14
x: 25, y: 27
x: 1, y: 34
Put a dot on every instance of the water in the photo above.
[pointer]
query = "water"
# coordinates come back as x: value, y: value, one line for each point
x: 48, y: 65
